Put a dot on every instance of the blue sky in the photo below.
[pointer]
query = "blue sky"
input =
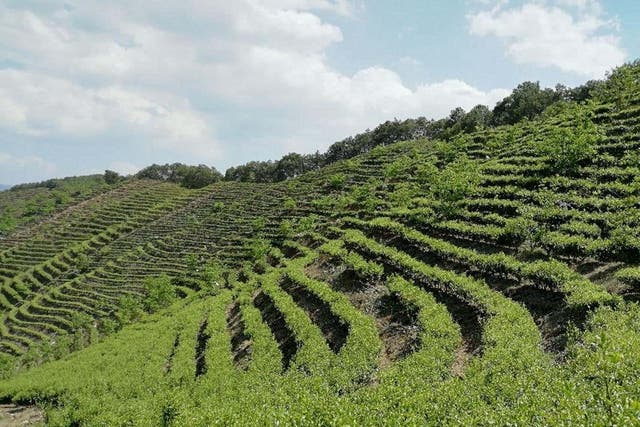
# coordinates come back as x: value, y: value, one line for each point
x: 87, y: 85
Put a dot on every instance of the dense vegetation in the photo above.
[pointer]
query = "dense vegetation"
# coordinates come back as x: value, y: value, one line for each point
x: 486, y: 277
x: 187, y: 176
x: 526, y: 102
x: 25, y: 203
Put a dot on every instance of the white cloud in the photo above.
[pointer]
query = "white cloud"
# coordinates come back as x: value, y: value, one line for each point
x: 566, y: 34
x: 172, y: 76
x: 42, y: 106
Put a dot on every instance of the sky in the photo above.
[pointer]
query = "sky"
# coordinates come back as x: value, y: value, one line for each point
x: 89, y: 85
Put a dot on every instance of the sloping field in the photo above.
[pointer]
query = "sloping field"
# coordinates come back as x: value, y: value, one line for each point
x: 492, y: 279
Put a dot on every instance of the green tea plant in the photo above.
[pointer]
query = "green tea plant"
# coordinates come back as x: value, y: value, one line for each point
x: 568, y: 148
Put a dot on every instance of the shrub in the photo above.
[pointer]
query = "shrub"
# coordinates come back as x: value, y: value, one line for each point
x: 629, y: 276
x: 213, y: 277
x: 623, y: 243
x: 258, y: 224
x: 290, y: 204
x: 522, y: 230
x: 398, y: 168
x: 337, y: 181
x: 192, y: 262
x: 258, y: 249
x: 129, y: 310
x: 307, y: 223
x: 568, y: 148
x: 457, y: 181
x: 403, y: 193
x: 188, y: 176
x: 160, y: 292
x: 583, y: 228
x: 286, y: 229
x: 82, y: 262
x: 426, y: 171
x: 451, y: 150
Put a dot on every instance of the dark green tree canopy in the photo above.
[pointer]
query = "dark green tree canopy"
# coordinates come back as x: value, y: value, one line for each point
x: 526, y: 101
x: 111, y: 177
x: 187, y: 176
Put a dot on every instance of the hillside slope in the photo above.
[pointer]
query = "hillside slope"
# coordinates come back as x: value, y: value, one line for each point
x: 488, y: 279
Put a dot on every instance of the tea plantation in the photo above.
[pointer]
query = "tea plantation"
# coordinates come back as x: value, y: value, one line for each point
x: 489, y: 279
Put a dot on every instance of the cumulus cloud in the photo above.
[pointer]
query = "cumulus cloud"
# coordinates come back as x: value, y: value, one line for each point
x: 567, y: 34
x: 197, y: 77
x: 38, y: 105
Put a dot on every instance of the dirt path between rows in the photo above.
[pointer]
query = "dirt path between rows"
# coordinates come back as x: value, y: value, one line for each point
x: 12, y: 415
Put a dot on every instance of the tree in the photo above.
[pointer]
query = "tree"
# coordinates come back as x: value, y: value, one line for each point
x: 199, y: 176
x: 289, y: 166
x: 621, y: 84
x: 187, y: 176
x: 456, y: 115
x: 111, y: 177
x: 526, y: 101
x: 477, y: 118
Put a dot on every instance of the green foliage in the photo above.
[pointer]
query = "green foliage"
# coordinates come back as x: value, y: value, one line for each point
x: 336, y: 181
x: 258, y: 224
x: 449, y: 151
x: 159, y: 293
x: 130, y: 309
x: 629, y: 276
x: 454, y: 183
x: 307, y: 223
x: 82, y: 262
x: 361, y: 266
x: 213, y: 277
x: 286, y: 229
x: 258, y: 248
x: 568, y: 148
x: 111, y: 177
x: 426, y: 172
x: 398, y: 169
x: 200, y: 176
x: 526, y: 101
x: 621, y: 85
x: 624, y: 243
x: 192, y: 262
x: 27, y: 203
x: 7, y: 222
x: 217, y: 206
x: 187, y: 176
x: 403, y: 193
x: 582, y: 228
x: 289, y: 204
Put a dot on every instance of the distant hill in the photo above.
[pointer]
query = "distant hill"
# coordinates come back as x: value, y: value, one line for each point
x: 28, y: 203
x: 4, y: 187
x: 490, y: 278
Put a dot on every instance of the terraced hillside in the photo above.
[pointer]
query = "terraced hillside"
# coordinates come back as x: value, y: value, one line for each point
x: 25, y: 204
x: 490, y: 279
